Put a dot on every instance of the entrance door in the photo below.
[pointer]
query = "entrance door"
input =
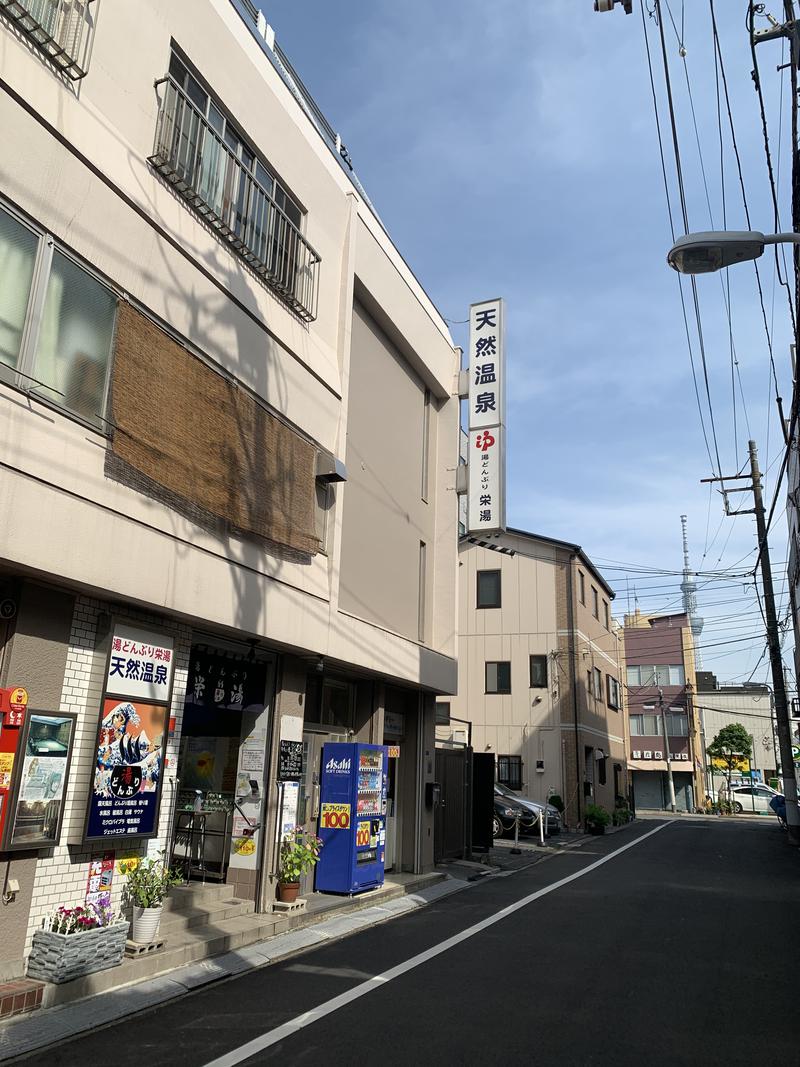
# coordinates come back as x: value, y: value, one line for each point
x: 308, y: 799
x: 392, y: 820
x: 450, y: 827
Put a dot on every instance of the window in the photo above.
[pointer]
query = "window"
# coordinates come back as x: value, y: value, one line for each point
x: 582, y: 587
x: 601, y: 771
x: 605, y: 614
x: 56, y: 324
x: 325, y: 497
x: 426, y: 443
x: 498, y: 677
x: 421, y: 620
x: 661, y: 674
x: 538, y: 672
x: 202, y: 153
x: 442, y: 712
x: 645, y: 725
x: 676, y: 676
x: 61, y: 31
x: 509, y: 771
x: 612, y: 692
x: 677, y: 724
x: 488, y: 589
x: 597, y: 683
x: 595, y: 604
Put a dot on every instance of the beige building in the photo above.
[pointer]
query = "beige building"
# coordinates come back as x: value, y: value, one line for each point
x: 229, y: 441
x: 719, y: 704
x: 540, y: 668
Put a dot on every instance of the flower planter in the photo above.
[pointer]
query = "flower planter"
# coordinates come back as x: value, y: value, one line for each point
x: 287, y: 892
x: 146, y: 922
x: 596, y: 829
x: 59, y: 958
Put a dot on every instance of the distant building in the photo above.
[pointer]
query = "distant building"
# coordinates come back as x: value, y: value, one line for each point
x: 659, y: 654
x: 750, y: 705
x: 540, y: 669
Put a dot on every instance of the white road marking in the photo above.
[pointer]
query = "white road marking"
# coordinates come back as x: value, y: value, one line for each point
x: 280, y: 1033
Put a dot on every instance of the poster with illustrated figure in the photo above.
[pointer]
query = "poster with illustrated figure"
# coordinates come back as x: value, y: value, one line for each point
x: 128, y: 770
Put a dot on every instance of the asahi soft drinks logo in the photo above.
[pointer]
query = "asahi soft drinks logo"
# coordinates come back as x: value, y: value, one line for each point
x: 341, y: 766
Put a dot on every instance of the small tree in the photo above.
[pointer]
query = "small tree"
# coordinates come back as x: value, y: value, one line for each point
x: 729, y: 746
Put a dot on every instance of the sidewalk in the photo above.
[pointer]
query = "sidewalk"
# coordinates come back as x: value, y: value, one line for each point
x: 29, y: 1033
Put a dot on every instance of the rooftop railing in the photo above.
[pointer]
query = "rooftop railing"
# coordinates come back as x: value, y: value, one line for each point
x: 192, y: 156
x: 61, y: 29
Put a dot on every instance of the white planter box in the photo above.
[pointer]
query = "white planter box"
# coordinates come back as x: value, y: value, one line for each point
x: 61, y: 957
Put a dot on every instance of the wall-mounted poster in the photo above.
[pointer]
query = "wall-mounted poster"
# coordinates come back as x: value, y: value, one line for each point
x: 128, y: 770
x: 42, y: 765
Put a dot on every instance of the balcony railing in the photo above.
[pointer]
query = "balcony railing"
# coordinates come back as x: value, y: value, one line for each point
x: 203, y: 169
x: 59, y: 28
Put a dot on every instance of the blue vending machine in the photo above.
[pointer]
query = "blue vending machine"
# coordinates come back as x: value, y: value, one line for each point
x: 352, y: 817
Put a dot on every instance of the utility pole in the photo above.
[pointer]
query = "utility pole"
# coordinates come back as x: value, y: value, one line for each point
x: 773, y: 642
x: 670, y: 779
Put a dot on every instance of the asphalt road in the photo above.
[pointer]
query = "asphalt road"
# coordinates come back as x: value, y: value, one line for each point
x: 670, y: 952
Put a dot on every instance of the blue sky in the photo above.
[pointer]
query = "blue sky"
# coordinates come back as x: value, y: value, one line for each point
x: 511, y: 149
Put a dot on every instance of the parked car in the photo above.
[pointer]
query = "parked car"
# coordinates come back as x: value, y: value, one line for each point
x: 553, y: 820
x: 752, y: 798
x: 505, y: 816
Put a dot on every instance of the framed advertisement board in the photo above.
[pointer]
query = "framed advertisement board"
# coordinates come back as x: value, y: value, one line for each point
x: 132, y: 729
x: 41, y: 770
x: 128, y: 770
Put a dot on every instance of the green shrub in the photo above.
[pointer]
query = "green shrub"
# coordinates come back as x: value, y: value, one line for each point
x: 557, y: 802
x: 596, y: 815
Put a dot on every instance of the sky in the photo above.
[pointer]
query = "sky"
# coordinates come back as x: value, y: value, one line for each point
x: 511, y: 149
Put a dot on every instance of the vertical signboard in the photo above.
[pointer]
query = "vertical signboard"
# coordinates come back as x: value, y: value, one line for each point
x: 131, y: 736
x: 486, y: 423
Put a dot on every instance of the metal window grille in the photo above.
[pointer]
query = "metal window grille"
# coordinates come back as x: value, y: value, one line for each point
x: 61, y: 29
x: 203, y: 169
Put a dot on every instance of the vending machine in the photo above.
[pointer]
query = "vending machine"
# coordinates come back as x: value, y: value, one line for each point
x: 352, y: 817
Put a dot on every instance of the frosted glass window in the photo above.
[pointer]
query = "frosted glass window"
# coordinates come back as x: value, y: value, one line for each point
x: 17, y: 255
x: 75, y: 339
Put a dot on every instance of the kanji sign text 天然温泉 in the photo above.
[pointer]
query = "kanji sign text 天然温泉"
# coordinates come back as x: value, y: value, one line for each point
x: 486, y: 418
x: 140, y: 664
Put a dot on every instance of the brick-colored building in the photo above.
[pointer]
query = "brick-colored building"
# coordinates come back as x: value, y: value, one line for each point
x: 660, y: 672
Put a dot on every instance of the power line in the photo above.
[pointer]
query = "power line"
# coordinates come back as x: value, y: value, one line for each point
x: 685, y: 214
x: 672, y: 231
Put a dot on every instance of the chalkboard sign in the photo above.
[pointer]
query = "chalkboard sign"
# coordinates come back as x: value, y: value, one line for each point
x: 290, y: 761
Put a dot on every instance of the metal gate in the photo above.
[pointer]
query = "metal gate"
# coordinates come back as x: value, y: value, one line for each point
x: 450, y: 827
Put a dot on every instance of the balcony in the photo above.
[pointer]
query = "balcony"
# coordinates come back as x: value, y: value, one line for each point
x: 61, y: 29
x: 192, y: 156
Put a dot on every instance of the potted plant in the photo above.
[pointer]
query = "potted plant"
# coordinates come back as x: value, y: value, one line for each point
x: 298, y: 853
x: 74, y: 942
x: 147, y: 883
x: 621, y: 815
x: 596, y: 819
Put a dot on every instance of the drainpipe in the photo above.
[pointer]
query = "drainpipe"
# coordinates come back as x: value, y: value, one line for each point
x: 573, y: 674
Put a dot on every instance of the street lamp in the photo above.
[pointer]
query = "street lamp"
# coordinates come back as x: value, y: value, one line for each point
x: 702, y: 253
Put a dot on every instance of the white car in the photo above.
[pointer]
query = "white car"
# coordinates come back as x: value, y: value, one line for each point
x: 752, y: 798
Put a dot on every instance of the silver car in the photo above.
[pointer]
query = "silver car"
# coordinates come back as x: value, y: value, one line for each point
x: 752, y: 798
x: 553, y: 820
